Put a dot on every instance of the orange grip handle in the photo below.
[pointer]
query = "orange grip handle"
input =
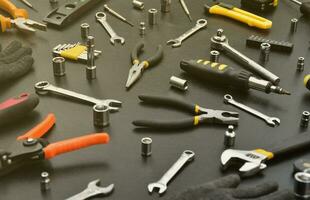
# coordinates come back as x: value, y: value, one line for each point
x: 40, y: 129
x: 9, y: 7
x: 65, y: 146
x: 5, y: 23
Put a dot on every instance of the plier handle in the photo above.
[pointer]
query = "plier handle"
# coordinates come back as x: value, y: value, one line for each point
x: 201, y: 115
x: 138, y: 66
x: 30, y: 147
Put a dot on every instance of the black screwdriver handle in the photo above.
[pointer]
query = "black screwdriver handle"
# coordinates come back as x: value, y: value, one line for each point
x: 158, y: 124
x: 17, y: 107
x: 220, y: 74
x: 291, y: 145
x: 305, y: 9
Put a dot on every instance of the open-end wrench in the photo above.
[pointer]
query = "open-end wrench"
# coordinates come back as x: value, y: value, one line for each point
x: 93, y: 190
x: 201, y: 23
x: 102, y: 18
x: 186, y: 156
x: 44, y: 87
x: 271, y: 121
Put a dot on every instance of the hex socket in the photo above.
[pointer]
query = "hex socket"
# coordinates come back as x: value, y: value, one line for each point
x: 153, y: 15
x: 59, y: 66
x: 302, y: 185
x: 146, y: 146
x: 178, y: 83
x: 85, y: 31
x: 101, y: 115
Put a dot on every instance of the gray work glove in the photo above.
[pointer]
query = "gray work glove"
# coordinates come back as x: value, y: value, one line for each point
x: 226, y: 189
x: 15, y: 61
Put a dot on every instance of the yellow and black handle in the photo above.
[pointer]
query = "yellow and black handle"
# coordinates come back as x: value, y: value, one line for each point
x: 238, y: 14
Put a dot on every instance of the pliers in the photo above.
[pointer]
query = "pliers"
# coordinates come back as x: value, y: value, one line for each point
x: 30, y: 147
x: 202, y: 115
x: 138, y: 67
x: 21, y: 19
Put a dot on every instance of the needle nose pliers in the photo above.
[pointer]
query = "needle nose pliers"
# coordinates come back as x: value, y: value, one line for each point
x: 30, y: 147
x: 138, y: 67
x: 202, y: 115
x: 20, y: 21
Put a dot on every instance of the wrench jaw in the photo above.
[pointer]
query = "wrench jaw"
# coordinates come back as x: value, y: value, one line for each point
x: 249, y: 162
x: 113, y: 105
x: 273, y: 121
x: 174, y: 43
x: 117, y: 39
x: 41, y: 86
x: 160, y: 186
x: 96, y: 190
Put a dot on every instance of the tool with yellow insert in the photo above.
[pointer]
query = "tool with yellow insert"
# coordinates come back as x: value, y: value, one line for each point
x: 202, y: 115
x: 228, y: 76
x: 238, y: 14
x: 20, y: 21
x: 139, y: 66
x: 252, y: 162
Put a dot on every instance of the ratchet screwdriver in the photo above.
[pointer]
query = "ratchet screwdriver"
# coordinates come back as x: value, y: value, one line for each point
x: 228, y: 76
x: 304, y: 7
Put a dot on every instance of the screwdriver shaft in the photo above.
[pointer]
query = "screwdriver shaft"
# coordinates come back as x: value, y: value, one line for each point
x: 184, y: 6
x: 296, y: 2
x: 117, y: 15
x: 27, y: 3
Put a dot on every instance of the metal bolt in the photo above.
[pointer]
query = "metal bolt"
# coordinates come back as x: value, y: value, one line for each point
x: 45, y: 181
x: 146, y: 146
x: 264, y: 52
x: 214, y: 56
x: 230, y: 137
x: 305, y: 119
x: 301, y: 64
x: 142, y: 28
x: 91, y: 67
x: 85, y: 31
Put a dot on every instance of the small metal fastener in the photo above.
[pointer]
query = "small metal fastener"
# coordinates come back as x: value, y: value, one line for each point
x: 142, y: 28
x: 301, y: 64
x: 178, y: 83
x: 91, y: 67
x: 214, y: 56
x: 304, y: 122
x: 165, y: 6
x: 302, y: 185
x: 59, y: 66
x: 219, y: 32
x: 45, y: 181
x: 84, y: 31
x: 153, y: 14
x: 294, y: 23
x: 146, y: 146
x: 264, y: 52
x: 138, y: 4
x: 230, y: 137
x: 101, y: 115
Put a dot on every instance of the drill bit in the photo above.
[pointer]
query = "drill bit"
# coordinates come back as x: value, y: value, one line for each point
x: 117, y: 15
x: 184, y: 6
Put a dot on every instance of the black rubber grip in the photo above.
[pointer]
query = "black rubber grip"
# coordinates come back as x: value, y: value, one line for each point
x: 256, y: 41
x: 137, y: 50
x: 17, y: 107
x: 225, y: 77
x: 156, y: 124
x: 166, y: 101
x: 305, y: 9
x: 157, y: 57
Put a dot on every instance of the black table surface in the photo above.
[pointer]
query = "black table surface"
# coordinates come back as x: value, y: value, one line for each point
x: 120, y: 162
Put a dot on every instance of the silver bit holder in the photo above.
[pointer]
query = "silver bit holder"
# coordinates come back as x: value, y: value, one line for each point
x: 59, y: 66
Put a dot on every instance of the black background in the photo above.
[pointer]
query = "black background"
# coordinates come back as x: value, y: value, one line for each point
x: 120, y: 162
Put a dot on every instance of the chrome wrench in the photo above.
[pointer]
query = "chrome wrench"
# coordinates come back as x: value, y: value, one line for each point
x: 102, y: 18
x: 44, y: 87
x: 271, y: 121
x: 186, y: 156
x: 201, y: 23
x: 93, y: 190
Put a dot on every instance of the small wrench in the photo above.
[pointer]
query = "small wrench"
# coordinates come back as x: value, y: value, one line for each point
x: 272, y: 121
x: 186, y: 156
x: 201, y: 23
x: 92, y: 190
x: 44, y: 87
x: 102, y: 18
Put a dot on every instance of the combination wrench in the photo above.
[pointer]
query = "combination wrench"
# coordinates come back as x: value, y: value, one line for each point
x: 201, y: 23
x: 161, y: 185
x: 102, y: 18
x: 93, y: 190
x: 271, y: 121
x: 44, y: 87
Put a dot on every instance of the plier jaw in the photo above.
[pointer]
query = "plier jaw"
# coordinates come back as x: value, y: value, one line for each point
x: 135, y: 73
x: 28, y: 25
x: 220, y: 117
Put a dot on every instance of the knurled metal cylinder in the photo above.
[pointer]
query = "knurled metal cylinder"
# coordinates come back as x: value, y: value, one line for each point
x: 294, y: 23
x: 264, y: 52
x: 45, y: 181
x: 84, y: 31
x: 304, y: 122
x: 178, y: 83
x: 142, y: 28
x: 101, y: 115
x: 230, y: 137
x: 59, y: 66
x: 214, y: 56
x: 301, y: 64
x: 138, y: 4
x: 146, y: 146
x: 302, y: 185
x: 91, y: 67
x: 153, y: 15
x: 165, y: 5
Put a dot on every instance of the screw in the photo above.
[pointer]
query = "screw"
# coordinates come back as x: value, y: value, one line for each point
x: 230, y: 137
x: 305, y: 119
x: 142, y: 28
x: 301, y: 64
x: 214, y: 56
x: 146, y: 146
x: 45, y: 181
x: 219, y: 32
x: 264, y: 52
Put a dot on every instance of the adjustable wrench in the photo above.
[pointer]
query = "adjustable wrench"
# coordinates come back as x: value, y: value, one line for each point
x: 44, y: 87
x: 92, y: 190
x: 271, y: 121
x: 186, y: 156
x: 102, y: 18
x: 201, y: 23
x: 219, y: 42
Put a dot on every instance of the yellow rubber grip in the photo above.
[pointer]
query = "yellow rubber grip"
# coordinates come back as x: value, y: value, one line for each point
x: 269, y: 155
x: 73, y: 53
x: 242, y: 16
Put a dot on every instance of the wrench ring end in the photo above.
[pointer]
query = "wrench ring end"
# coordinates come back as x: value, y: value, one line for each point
x: 40, y: 87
